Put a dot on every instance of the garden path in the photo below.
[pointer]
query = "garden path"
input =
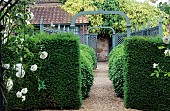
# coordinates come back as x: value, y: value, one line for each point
x: 102, y: 96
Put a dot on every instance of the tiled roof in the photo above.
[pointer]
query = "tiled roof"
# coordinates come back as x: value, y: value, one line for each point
x: 55, y: 14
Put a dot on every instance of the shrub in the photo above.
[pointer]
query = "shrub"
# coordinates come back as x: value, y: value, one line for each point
x: 141, y: 91
x: 60, y: 73
x: 87, y: 74
x: 116, y: 64
x: 92, y: 58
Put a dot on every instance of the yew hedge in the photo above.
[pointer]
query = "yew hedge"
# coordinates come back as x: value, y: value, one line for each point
x: 141, y: 91
x: 60, y: 71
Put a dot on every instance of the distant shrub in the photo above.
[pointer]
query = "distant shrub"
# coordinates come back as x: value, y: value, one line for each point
x: 87, y: 74
x: 116, y: 65
x: 91, y: 52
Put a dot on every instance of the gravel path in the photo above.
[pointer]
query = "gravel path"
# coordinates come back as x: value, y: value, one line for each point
x: 102, y: 96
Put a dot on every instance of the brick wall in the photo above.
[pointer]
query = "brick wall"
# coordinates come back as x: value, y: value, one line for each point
x: 102, y: 48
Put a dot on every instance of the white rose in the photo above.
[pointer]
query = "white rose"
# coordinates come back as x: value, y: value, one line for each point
x: 34, y: 67
x: 43, y: 55
x: 6, y: 66
x: 166, y: 40
x: 5, y: 39
x: 23, y: 98
x: 24, y: 90
x: 20, y: 74
x: 166, y: 52
x: 11, y: 21
x: 155, y: 65
x: 169, y: 52
x: 31, y: 15
x: 5, y: 35
x: 9, y: 84
x: 27, y: 22
x: 18, y: 67
x: 22, y: 40
x: 20, y: 46
x: 19, y: 94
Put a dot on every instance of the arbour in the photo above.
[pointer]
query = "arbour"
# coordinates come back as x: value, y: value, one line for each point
x: 105, y: 27
x: 100, y: 11
x: 116, y: 38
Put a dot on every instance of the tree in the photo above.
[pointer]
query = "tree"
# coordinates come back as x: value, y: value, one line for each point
x: 164, y: 7
x: 76, y: 6
x: 139, y: 13
x: 110, y: 20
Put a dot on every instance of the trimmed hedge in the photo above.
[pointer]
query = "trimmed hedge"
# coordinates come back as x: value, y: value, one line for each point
x: 60, y: 72
x: 141, y: 91
x: 116, y: 64
x: 87, y: 74
x: 90, y: 51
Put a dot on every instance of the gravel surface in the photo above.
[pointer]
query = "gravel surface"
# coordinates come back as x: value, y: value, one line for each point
x: 102, y: 96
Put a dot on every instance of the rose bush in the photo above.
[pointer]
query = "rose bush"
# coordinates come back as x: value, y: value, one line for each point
x: 159, y: 69
x: 15, y: 16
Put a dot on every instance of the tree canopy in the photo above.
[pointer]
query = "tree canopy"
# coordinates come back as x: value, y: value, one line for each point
x: 138, y: 13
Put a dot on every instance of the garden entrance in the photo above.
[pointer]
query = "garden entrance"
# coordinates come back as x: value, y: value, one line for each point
x: 101, y: 47
x: 91, y: 39
x: 117, y: 38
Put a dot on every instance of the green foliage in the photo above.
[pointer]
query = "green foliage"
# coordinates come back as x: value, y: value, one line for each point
x: 90, y: 54
x: 116, y: 65
x: 164, y: 7
x: 139, y: 14
x: 141, y: 90
x: 63, y: 1
x: 87, y: 74
x: 88, y: 63
x: 59, y: 74
x: 16, y: 17
x: 110, y: 20
x: 76, y: 6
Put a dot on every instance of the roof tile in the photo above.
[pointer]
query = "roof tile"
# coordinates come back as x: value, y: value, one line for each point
x: 53, y: 14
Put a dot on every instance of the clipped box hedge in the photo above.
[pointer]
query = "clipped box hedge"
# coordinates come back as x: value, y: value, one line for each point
x: 141, y: 91
x: 60, y: 72
x: 116, y: 65
x: 90, y: 54
x: 87, y: 74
